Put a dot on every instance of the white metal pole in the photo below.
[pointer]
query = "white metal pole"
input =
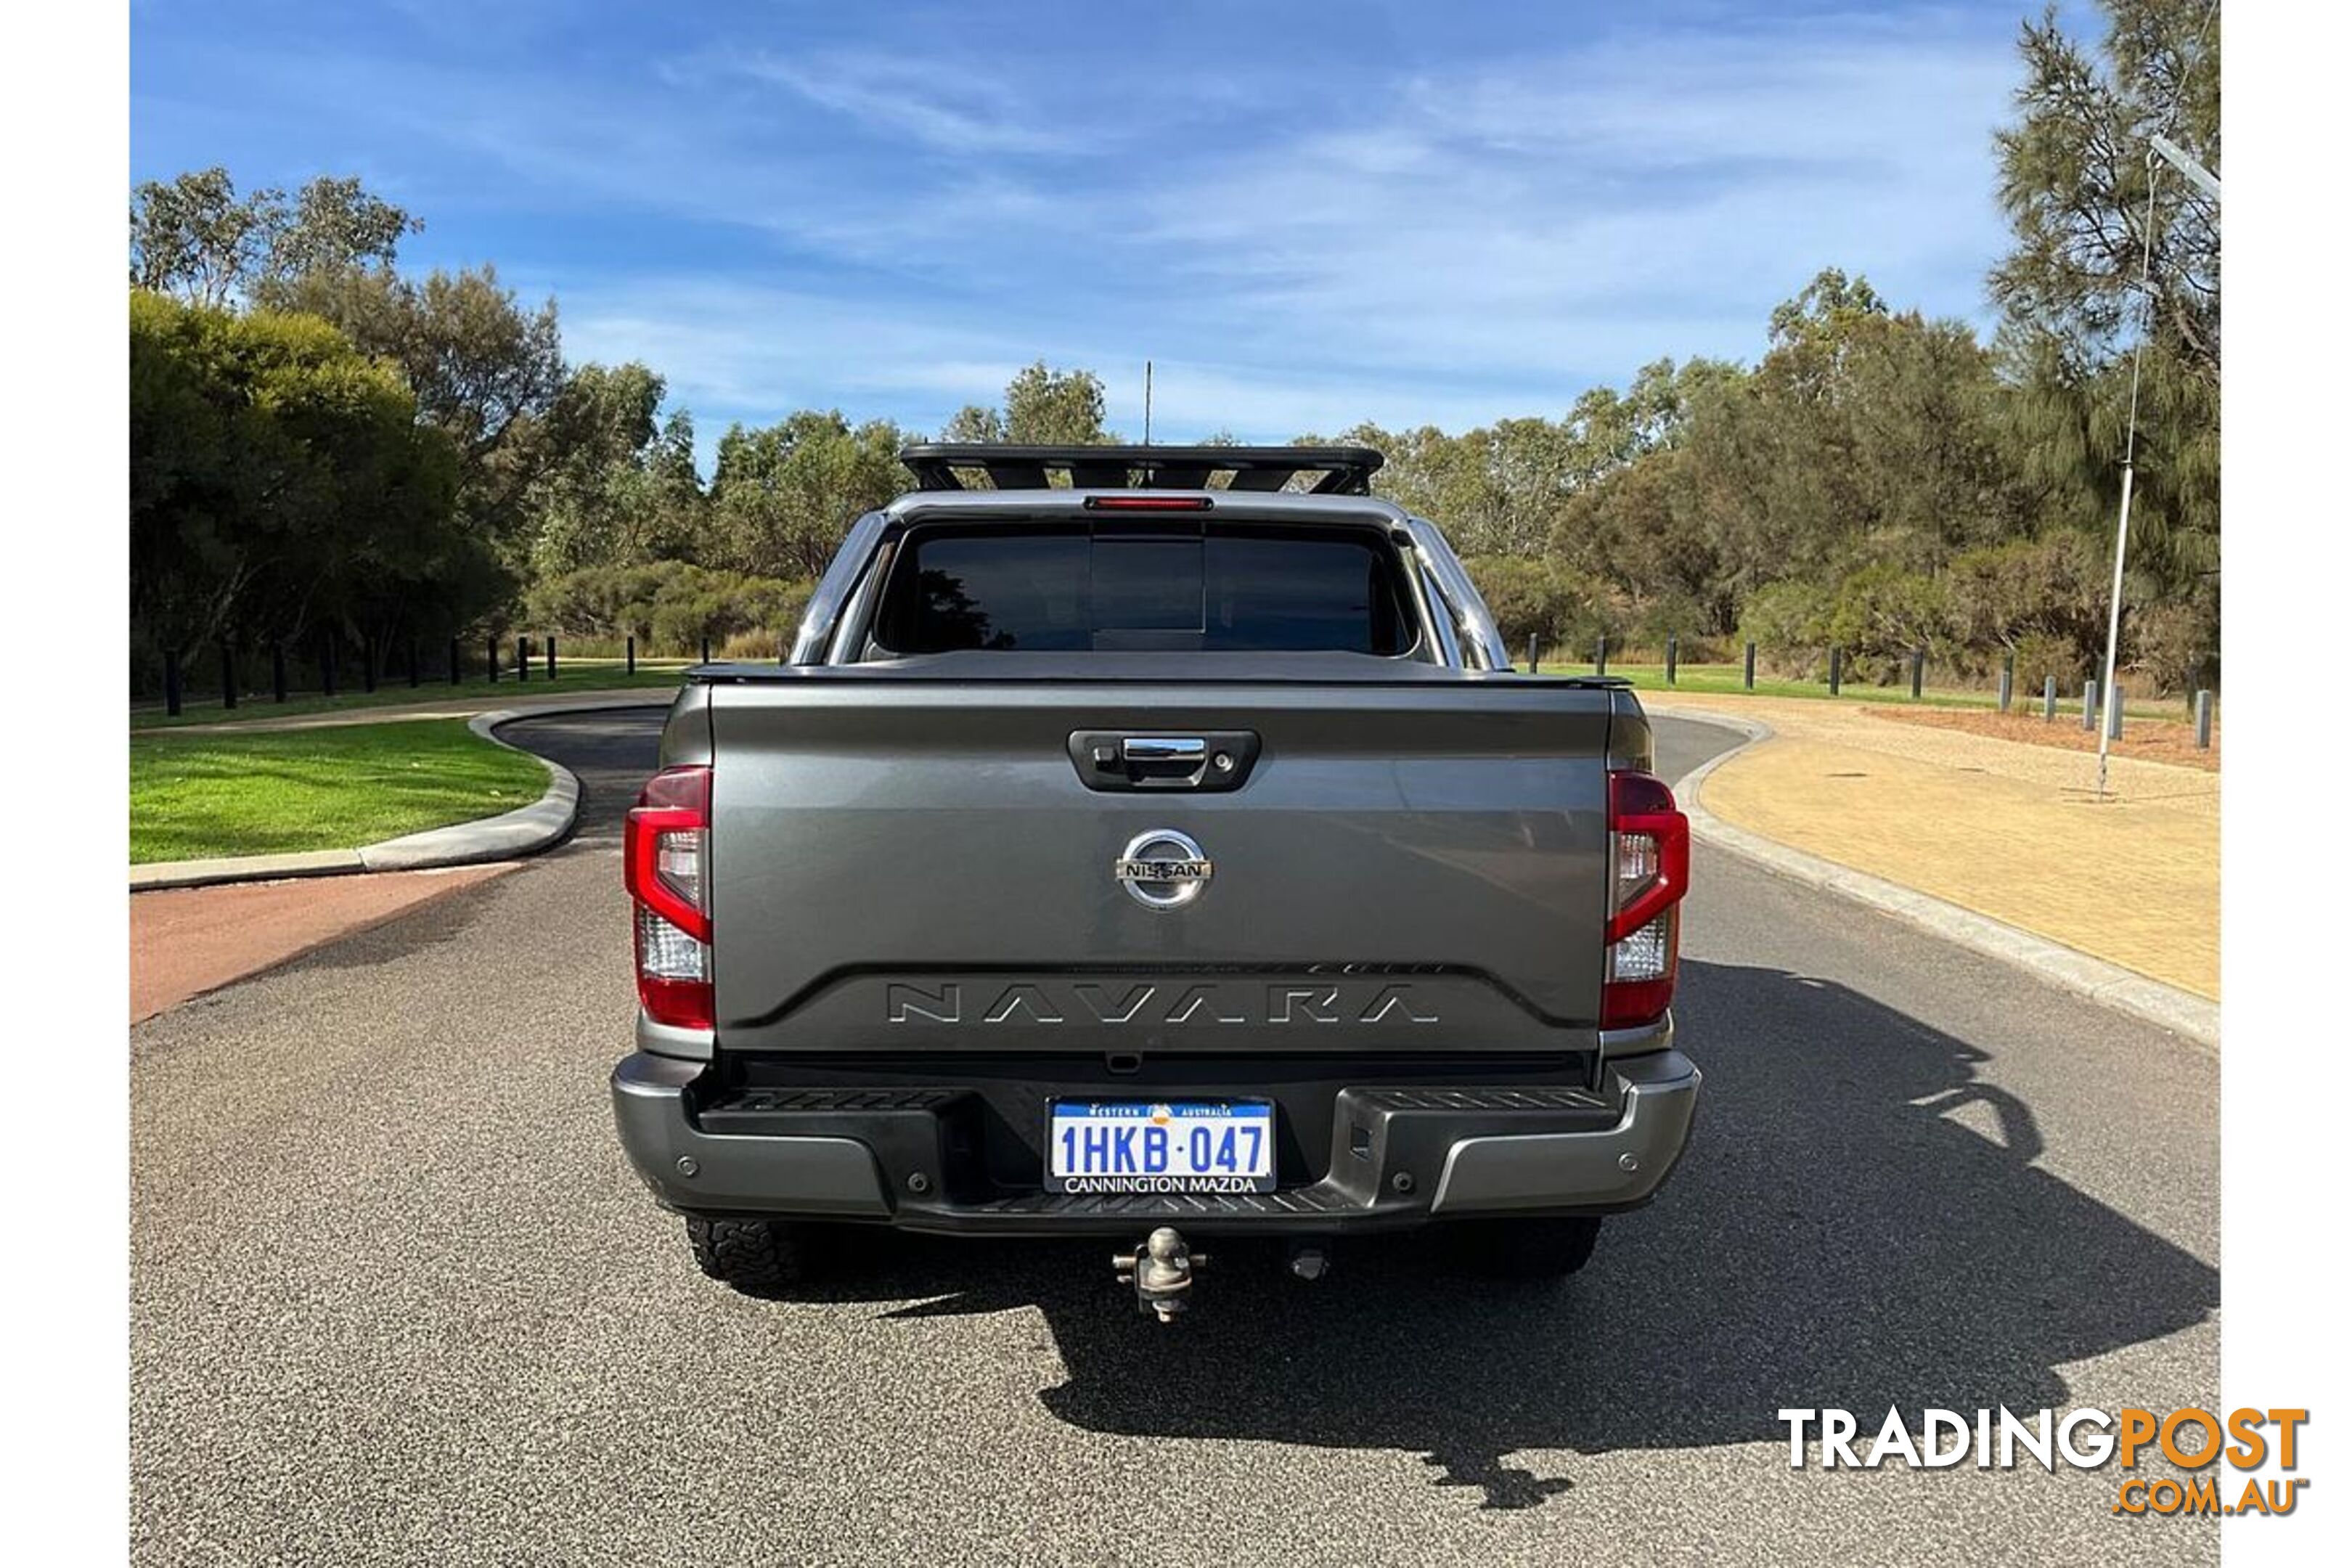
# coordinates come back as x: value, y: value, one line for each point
x: 2115, y: 622
x: 2123, y: 512
x: 2197, y: 173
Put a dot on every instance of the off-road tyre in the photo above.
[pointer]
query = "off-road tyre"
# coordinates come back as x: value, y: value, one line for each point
x: 1531, y: 1250
x: 757, y: 1257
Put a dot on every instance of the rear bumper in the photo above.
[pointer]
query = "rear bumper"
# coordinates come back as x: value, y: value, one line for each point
x: 1400, y: 1157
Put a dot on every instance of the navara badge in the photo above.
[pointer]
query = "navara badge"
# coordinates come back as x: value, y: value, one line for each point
x: 1164, y: 869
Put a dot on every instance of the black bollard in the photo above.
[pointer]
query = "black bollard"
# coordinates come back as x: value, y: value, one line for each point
x: 522, y: 658
x: 2007, y: 679
x: 633, y: 656
x: 1837, y: 670
x: 1601, y: 654
x: 1919, y: 663
x: 456, y: 662
x: 1672, y: 650
x: 492, y: 662
x: 706, y: 648
x: 1747, y: 677
x: 551, y: 656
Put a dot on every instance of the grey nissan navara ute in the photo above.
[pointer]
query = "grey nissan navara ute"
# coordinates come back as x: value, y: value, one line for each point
x: 1153, y: 843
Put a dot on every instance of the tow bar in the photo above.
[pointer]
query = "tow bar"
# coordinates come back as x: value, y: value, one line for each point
x: 1161, y: 1270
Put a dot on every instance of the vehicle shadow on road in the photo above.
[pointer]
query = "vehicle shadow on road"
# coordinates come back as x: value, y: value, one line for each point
x: 1835, y: 1237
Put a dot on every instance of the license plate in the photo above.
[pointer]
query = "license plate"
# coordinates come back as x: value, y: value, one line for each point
x: 1160, y: 1146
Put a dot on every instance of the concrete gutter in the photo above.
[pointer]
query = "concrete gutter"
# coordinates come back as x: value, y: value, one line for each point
x: 244, y: 868
x: 2109, y: 985
x: 526, y: 830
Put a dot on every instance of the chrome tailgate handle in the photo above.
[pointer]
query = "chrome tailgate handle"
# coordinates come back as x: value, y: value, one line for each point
x: 1193, y: 749
x: 1211, y: 762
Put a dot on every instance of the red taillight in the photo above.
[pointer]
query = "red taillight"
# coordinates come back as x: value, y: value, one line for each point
x: 1649, y: 872
x: 1149, y: 503
x: 666, y: 863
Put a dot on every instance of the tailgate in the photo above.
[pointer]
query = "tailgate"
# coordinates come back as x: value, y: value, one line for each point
x: 922, y: 867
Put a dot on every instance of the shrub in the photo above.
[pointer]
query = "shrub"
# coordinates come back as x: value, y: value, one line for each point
x: 1544, y: 600
x: 669, y: 606
x: 1648, y: 625
x: 2040, y: 656
x: 2175, y: 653
x: 2048, y: 596
x: 1879, y: 614
x: 1789, y: 624
x: 760, y: 645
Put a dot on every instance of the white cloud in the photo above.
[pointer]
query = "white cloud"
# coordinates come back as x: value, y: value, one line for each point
x: 1515, y: 218
x: 950, y: 111
x: 1446, y: 248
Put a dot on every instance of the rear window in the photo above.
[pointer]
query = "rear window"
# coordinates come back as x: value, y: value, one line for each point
x: 1230, y: 590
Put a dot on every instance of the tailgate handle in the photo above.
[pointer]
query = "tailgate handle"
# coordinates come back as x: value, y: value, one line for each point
x: 1190, y: 749
x: 1210, y: 762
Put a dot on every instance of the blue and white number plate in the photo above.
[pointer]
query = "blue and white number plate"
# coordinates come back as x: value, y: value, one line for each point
x: 1160, y: 1146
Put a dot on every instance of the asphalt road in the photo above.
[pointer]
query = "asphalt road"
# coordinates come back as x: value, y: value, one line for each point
x: 397, y: 1298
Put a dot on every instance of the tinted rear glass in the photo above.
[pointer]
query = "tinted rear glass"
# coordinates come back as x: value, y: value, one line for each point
x: 1230, y: 590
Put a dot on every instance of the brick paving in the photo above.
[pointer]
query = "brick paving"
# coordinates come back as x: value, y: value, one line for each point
x: 2007, y: 829
x: 185, y: 942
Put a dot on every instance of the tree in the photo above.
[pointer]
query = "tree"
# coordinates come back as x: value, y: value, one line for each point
x: 1642, y: 529
x: 974, y: 423
x: 1627, y: 514
x: 2074, y: 172
x: 195, y: 238
x: 600, y: 500
x: 783, y: 496
x: 1043, y: 407
x: 674, y: 485
x: 1863, y: 435
x: 484, y: 371
x: 279, y: 483
x: 1051, y: 407
x: 336, y: 224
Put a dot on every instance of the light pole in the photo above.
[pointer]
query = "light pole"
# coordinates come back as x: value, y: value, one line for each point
x: 2204, y: 180
x: 2197, y: 173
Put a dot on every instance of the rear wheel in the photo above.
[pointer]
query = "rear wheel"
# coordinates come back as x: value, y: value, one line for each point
x: 1523, y: 1249
x: 757, y: 1257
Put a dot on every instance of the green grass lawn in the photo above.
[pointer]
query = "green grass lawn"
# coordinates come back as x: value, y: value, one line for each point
x: 572, y: 675
x: 1725, y: 679
x: 199, y: 795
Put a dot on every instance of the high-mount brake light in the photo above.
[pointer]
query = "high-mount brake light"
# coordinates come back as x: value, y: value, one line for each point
x: 1649, y: 872
x: 666, y: 863
x: 1149, y: 503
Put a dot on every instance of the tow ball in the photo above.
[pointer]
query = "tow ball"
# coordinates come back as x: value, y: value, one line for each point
x: 1161, y: 1270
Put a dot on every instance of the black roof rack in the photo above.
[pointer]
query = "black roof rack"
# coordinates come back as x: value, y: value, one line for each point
x: 1339, y: 470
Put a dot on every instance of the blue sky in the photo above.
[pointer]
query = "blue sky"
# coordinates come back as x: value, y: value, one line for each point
x: 1305, y: 214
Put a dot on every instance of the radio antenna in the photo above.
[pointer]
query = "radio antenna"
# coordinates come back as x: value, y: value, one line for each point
x: 1146, y: 402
